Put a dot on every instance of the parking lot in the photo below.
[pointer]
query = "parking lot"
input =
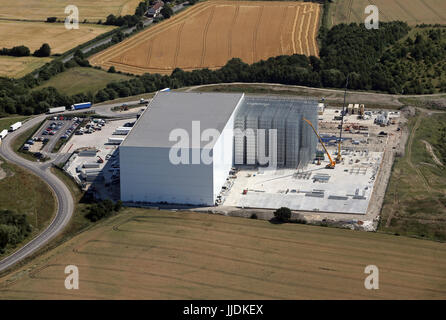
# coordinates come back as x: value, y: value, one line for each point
x: 51, y: 131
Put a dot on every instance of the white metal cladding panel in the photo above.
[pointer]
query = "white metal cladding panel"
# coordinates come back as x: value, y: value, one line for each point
x: 147, y: 175
x: 223, y: 156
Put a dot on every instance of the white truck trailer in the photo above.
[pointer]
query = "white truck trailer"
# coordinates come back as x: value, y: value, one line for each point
x: 122, y: 130
x: 15, y: 126
x: 56, y: 110
x: 113, y: 140
x: 3, y: 134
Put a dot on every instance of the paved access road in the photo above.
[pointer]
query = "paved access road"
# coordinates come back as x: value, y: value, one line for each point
x: 63, y: 195
x: 65, y: 202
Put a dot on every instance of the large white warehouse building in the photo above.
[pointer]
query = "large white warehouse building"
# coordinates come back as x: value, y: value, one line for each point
x: 181, y: 149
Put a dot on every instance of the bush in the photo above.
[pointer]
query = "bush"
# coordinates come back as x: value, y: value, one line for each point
x: 283, y: 214
x: 51, y: 19
x: 253, y: 216
x: 44, y: 51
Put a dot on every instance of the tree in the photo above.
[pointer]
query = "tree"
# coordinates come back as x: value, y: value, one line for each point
x: 118, y: 205
x: 112, y: 69
x: 44, y: 51
x: 167, y: 12
x: 51, y: 19
x: 283, y: 214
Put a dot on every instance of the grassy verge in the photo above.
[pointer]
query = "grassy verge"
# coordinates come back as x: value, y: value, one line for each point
x: 437, y: 103
x: 6, y: 122
x: 81, y: 80
x: 415, y: 201
x: 23, y: 192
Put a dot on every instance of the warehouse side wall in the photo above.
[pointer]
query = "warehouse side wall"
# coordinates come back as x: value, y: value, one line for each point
x: 223, y: 155
x: 147, y: 175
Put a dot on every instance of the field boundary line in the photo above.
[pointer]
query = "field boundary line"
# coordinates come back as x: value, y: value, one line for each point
x: 205, y: 33
x: 307, y: 42
x: 315, y: 28
x: 282, y: 25
x: 300, y: 33
x: 178, y: 44
x: 254, y: 35
x: 433, y: 10
x: 293, y: 33
x: 231, y: 30
x: 406, y: 11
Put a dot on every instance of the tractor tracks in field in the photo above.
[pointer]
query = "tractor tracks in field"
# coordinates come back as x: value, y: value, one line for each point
x: 205, y: 33
x: 231, y: 31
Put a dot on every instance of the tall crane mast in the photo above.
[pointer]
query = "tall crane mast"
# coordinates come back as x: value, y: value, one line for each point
x: 332, y: 164
x: 339, y: 157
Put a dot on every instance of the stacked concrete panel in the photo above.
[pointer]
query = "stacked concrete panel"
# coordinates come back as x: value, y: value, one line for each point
x: 295, y: 142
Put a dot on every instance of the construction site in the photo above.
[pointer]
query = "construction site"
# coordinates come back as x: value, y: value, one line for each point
x: 343, y: 182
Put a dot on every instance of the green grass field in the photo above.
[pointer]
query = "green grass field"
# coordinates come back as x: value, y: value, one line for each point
x: 415, y: 201
x: 23, y: 192
x: 82, y: 80
x: 6, y: 122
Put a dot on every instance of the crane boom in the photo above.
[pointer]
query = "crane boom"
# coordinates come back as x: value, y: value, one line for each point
x: 332, y: 163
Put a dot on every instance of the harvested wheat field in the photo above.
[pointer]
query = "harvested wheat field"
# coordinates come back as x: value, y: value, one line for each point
x: 210, y: 33
x: 150, y: 254
x: 92, y: 11
x: 17, y: 67
x: 413, y: 11
x: 34, y: 34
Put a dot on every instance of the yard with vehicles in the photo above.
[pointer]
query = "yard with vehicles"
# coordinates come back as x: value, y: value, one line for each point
x: 153, y: 254
x: 200, y: 37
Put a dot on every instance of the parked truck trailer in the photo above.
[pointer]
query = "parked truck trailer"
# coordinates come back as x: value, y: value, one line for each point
x: 3, y: 134
x: 56, y: 110
x: 15, y: 126
x: 112, y: 140
x: 79, y: 106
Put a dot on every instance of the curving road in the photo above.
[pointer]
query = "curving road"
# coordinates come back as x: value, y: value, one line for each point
x: 63, y: 195
x: 65, y: 202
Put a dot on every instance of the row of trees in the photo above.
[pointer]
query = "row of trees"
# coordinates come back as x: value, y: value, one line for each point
x: 14, y: 228
x: 371, y: 58
x: 23, y: 51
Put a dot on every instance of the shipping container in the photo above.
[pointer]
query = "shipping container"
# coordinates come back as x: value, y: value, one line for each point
x: 79, y: 106
x: 15, y: 126
x: 55, y: 110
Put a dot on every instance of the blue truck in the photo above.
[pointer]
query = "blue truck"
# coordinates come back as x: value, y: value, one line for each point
x: 79, y: 106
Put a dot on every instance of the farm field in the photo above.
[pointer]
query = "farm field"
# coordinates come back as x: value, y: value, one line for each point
x: 413, y: 11
x: 34, y: 34
x: 78, y: 80
x: 210, y: 33
x: 415, y: 199
x: 150, y: 254
x: 17, y: 67
x: 90, y: 10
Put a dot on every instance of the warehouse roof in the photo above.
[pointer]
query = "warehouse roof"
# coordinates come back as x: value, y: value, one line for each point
x: 176, y: 110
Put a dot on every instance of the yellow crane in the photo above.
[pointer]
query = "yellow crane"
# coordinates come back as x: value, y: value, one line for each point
x: 332, y: 164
